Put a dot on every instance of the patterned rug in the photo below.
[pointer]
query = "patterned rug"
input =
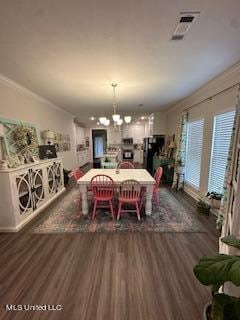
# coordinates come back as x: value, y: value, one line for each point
x: 64, y: 216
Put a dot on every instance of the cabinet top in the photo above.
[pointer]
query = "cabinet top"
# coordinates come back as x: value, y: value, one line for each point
x: 30, y: 165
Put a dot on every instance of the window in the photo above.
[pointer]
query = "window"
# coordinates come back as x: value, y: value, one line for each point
x: 194, y: 152
x: 222, y: 132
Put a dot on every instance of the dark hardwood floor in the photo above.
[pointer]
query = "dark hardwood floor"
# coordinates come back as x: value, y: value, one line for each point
x: 135, y: 276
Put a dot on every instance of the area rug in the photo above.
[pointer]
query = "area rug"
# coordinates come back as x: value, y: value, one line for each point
x: 64, y: 216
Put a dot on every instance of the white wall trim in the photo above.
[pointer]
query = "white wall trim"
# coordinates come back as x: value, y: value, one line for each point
x: 217, y: 84
x: 12, y: 84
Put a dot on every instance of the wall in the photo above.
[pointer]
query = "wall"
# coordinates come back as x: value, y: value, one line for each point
x: 219, y: 104
x: 159, y: 124
x: 17, y: 103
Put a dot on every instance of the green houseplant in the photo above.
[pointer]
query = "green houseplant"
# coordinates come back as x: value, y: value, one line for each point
x: 216, y: 270
x: 215, y: 199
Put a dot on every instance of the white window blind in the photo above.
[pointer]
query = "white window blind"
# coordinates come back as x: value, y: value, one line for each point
x: 222, y: 133
x: 194, y: 152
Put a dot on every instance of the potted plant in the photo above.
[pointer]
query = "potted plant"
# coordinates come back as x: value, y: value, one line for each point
x: 203, y: 206
x: 216, y: 199
x: 214, y: 271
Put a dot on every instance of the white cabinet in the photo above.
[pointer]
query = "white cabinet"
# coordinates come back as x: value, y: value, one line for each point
x: 82, y: 158
x: 135, y: 131
x: 80, y: 135
x: 26, y: 190
x: 138, y: 156
x: 159, y: 124
x: 138, y: 135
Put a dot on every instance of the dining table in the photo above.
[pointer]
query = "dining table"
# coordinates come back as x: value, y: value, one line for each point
x: 118, y: 176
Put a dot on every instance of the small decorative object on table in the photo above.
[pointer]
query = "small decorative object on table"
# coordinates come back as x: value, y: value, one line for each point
x: 3, y: 165
x: 13, y: 162
x: 35, y: 159
x: 215, y: 271
x: 216, y: 199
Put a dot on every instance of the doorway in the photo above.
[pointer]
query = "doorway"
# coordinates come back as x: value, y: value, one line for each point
x: 99, y: 145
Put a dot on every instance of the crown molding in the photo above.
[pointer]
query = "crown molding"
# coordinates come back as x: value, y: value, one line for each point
x: 14, y: 85
x: 227, y: 78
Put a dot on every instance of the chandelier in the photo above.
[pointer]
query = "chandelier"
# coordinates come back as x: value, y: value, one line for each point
x: 117, y: 121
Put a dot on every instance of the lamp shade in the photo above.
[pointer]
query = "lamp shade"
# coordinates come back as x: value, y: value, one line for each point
x: 47, y: 134
x: 120, y: 122
x: 116, y: 117
x: 1, y: 130
x: 102, y: 120
x: 107, y: 122
x: 172, y: 145
x: 128, y: 119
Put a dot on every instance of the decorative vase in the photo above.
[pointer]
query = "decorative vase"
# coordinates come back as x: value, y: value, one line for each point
x: 215, y: 203
x: 3, y: 165
x: 207, y: 312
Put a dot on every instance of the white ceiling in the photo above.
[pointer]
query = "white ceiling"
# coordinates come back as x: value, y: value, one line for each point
x: 70, y: 51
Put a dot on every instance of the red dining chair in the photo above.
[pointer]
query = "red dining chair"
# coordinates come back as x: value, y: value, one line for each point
x: 157, y: 177
x: 103, y: 191
x: 155, y: 198
x: 126, y: 165
x: 129, y: 193
x: 77, y: 174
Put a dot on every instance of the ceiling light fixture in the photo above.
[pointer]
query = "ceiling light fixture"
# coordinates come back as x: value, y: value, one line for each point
x: 102, y: 120
x: 120, y: 122
x: 142, y: 118
x: 107, y: 122
x: 92, y: 118
x: 127, y: 119
x: 115, y: 116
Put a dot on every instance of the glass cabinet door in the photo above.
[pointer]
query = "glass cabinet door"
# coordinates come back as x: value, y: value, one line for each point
x: 24, y: 193
x: 51, y: 179
x: 58, y: 176
x: 37, y: 187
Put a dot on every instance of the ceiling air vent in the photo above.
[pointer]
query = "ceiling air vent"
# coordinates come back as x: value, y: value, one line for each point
x: 177, y: 37
x: 185, y: 22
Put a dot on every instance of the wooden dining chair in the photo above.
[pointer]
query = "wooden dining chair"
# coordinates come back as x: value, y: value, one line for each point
x: 77, y: 174
x: 126, y: 165
x: 157, y: 177
x: 155, y: 196
x: 129, y: 193
x: 103, y: 192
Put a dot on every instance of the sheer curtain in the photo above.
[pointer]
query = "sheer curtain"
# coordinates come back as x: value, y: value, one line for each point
x: 178, y: 179
x: 222, y: 215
